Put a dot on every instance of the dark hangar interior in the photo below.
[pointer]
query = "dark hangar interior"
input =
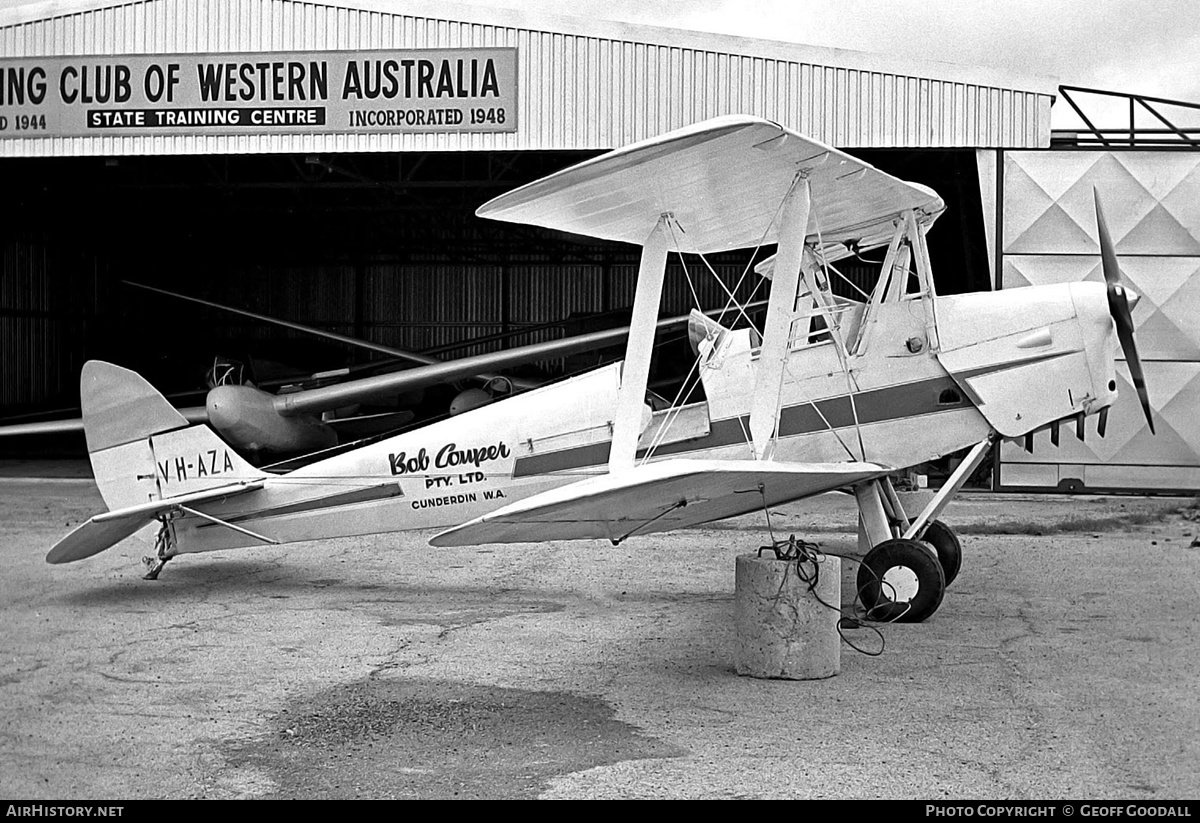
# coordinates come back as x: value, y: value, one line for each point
x: 378, y: 246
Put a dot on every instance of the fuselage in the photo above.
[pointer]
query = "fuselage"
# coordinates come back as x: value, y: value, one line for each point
x: 895, y: 387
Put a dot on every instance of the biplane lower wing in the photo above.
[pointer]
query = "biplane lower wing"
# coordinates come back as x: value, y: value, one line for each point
x: 108, y: 529
x: 656, y: 497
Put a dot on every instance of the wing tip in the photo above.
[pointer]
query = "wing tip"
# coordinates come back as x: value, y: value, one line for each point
x: 79, y: 545
x: 446, y: 540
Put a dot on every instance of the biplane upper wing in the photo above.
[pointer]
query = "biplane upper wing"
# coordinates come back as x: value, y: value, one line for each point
x: 656, y: 497
x: 724, y: 181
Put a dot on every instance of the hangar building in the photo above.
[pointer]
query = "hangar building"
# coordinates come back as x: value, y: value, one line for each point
x: 320, y: 162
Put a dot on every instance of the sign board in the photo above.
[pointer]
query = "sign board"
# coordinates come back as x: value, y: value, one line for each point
x: 349, y: 92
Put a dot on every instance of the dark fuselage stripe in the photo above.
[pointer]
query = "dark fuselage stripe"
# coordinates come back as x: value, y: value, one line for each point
x: 874, y: 406
x: 328, y: 502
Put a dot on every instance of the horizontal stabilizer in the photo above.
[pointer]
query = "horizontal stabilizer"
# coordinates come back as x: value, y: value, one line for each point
x: 724, y: 181
x: 95, y: 536
x: 656, y: 497
x: 106, y: 530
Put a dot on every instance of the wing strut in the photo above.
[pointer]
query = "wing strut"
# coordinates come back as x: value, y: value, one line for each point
x: 635, y: 373
x: 924, y: 277
x: 781, y: 312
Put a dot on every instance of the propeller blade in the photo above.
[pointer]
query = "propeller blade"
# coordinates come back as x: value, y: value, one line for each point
x: 1119, y: 308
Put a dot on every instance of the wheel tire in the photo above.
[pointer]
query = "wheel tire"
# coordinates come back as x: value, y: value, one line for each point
x: 900, y: 581
x: 949, y: 550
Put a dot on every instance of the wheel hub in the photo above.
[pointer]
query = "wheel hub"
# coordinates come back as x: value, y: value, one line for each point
x: 900, y: 584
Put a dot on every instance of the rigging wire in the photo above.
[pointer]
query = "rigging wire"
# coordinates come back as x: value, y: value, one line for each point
x: 839, y: 341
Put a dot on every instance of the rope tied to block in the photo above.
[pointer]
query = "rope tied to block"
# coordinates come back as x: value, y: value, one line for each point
x: 804, y: 559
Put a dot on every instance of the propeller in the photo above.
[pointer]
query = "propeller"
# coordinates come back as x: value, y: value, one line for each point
x: 1120, y: 306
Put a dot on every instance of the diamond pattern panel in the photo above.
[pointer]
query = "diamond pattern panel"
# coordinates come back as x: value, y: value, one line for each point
x: 1152, y: 205
x: 1151, y: 201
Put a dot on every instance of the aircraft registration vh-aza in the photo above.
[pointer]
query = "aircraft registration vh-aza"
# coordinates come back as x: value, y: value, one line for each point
x: 835, y: 394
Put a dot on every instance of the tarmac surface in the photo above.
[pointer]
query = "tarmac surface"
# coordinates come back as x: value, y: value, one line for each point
x: 1063, y: 663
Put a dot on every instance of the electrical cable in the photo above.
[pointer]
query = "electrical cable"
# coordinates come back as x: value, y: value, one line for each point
x: 798, y: 552
x: 801, y: 555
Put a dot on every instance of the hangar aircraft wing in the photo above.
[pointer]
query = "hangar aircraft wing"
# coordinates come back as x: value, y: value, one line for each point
x: 656, y: 497
x: 430, y: 371
x: 304, y: 404
x: 193, y: 414
x: 723, y: 181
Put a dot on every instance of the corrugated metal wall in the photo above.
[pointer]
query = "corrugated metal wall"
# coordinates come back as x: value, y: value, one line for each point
x: 48, y: 316
x: 575, y: 91
x: 419, y: 306
x: 59, y: 308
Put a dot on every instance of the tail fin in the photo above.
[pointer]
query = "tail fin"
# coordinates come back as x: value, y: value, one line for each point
x: 141, y: 448
x: 147, y: 460
x: 119, y: 407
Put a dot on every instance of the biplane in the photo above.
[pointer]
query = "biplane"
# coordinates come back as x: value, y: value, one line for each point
x: 832, y: 393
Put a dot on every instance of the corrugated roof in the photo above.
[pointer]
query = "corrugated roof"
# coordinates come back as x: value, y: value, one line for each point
x: 615, y: 30
x: 581, y: 83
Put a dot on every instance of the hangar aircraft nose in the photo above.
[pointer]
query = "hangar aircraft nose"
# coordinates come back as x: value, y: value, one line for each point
x: 246, y: 417
x: 222, y: 407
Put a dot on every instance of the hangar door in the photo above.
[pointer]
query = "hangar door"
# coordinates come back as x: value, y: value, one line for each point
x: 1048, y: 235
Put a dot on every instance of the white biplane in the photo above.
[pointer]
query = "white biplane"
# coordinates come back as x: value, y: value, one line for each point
x: 836, y: 394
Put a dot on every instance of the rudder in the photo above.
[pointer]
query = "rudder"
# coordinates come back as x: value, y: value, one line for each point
x: 141, y: 448
x: 120, y: 406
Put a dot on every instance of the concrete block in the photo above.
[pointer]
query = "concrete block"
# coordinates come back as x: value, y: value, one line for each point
x: 783, y: 628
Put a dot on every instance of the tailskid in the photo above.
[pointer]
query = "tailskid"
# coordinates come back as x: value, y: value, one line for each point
x: 164, y: 549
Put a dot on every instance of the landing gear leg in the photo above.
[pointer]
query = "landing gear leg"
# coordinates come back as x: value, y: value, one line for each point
x: 164, y: 550
x: 905, y: 574
x: 936, y: 533
x: 899, y: 580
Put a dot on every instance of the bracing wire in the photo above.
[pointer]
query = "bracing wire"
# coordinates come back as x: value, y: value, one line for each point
x: 840, y: 348
x: 731, y: 301
x: 821, y: 414
x: 830, y: 267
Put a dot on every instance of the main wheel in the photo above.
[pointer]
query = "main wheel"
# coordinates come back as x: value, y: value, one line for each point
x: 949, y: 550
x: 900, y: 581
